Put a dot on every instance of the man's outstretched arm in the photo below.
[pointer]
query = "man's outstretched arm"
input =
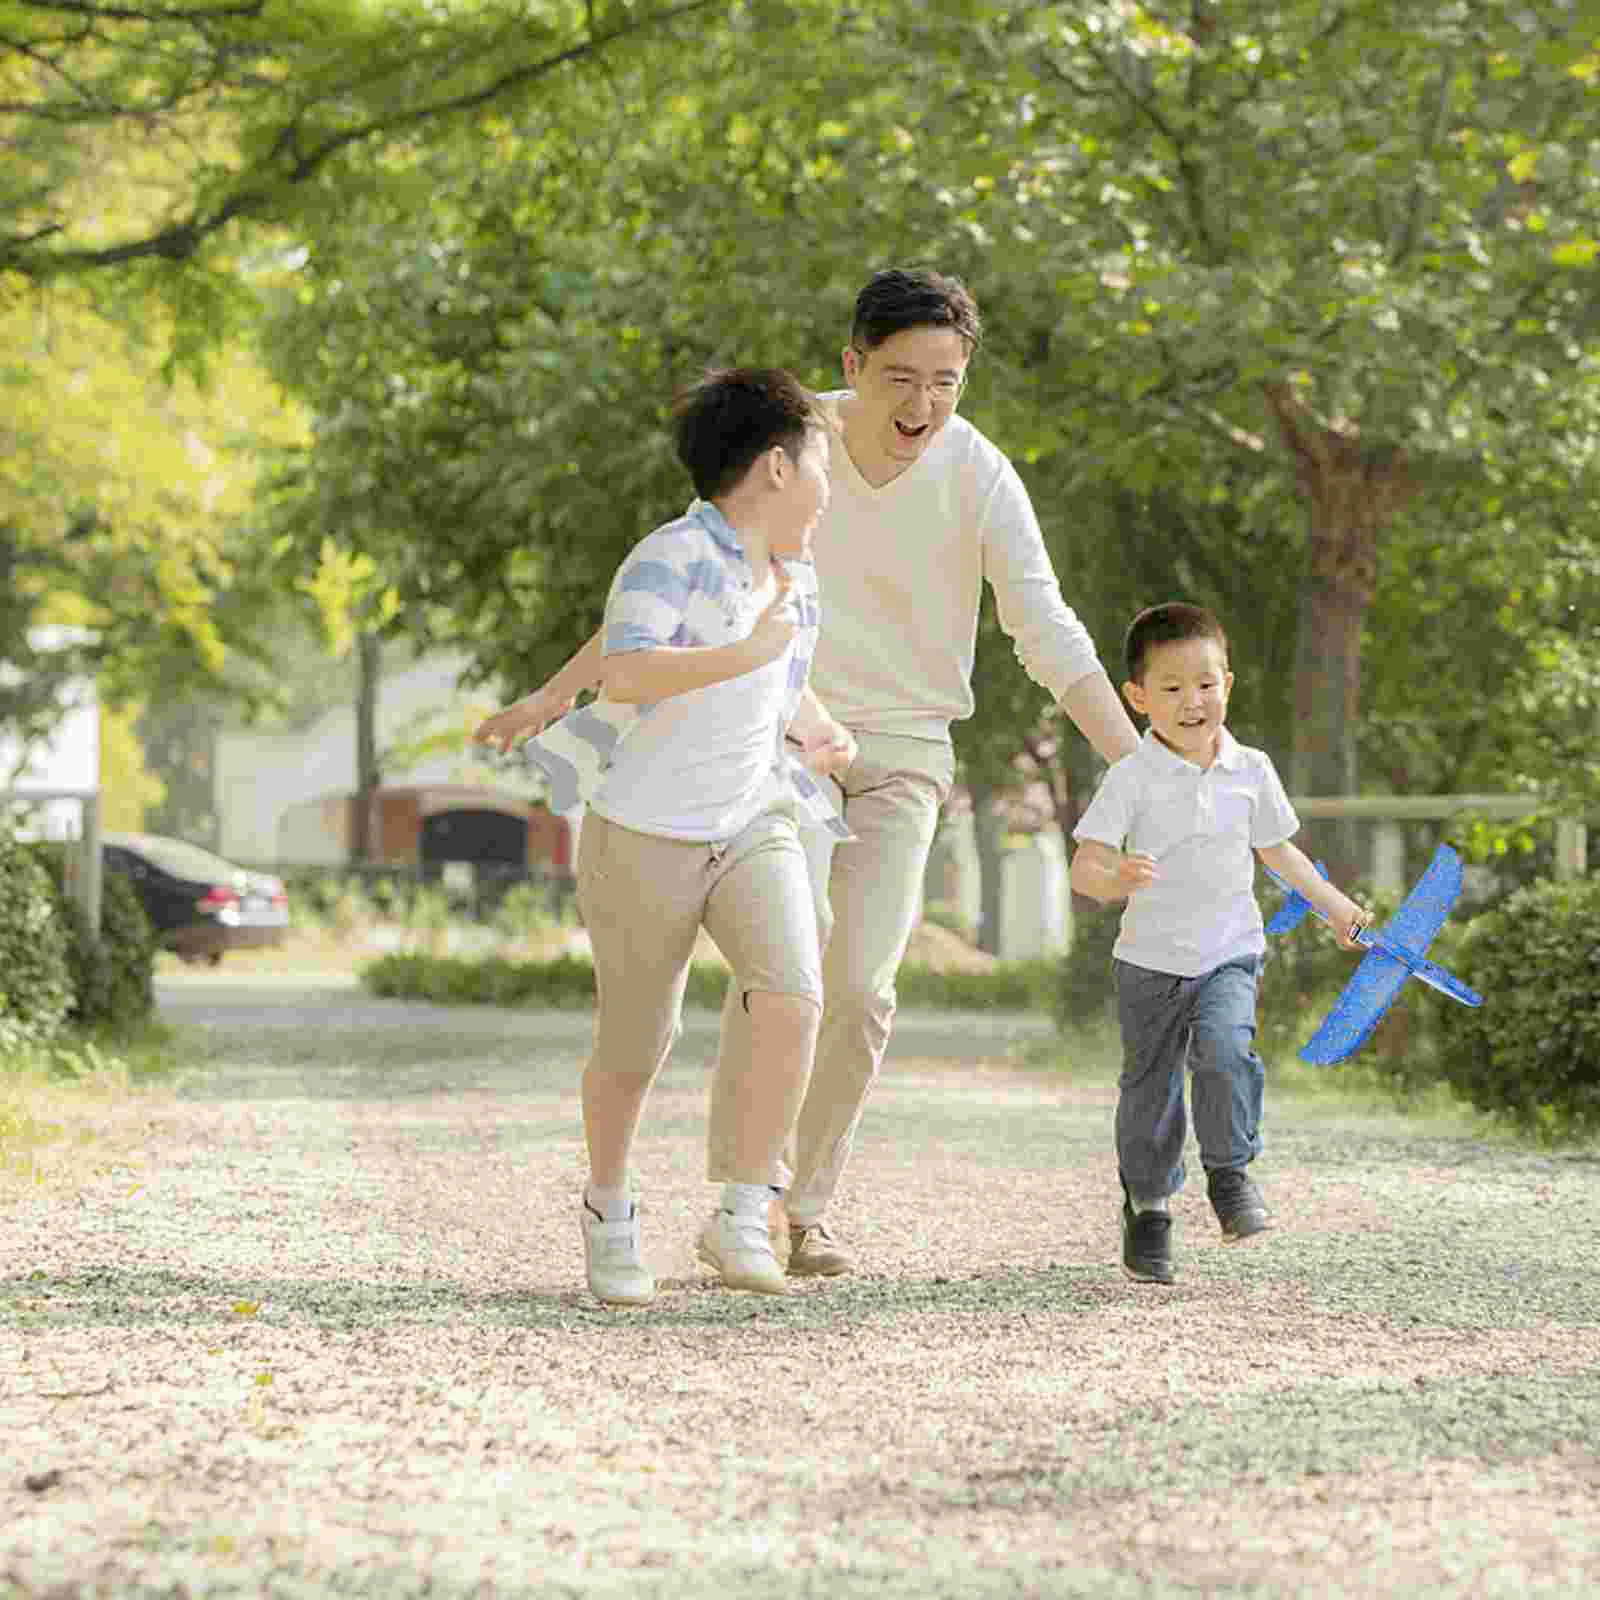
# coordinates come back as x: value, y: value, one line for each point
x: 1097, y: 712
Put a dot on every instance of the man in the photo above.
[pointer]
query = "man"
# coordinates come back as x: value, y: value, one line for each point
x: 923, y: 509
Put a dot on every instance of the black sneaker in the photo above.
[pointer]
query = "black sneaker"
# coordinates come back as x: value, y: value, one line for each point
x: 1146, y: 1245
x: 1237, y: 1203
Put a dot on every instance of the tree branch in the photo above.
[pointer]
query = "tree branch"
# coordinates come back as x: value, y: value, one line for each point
x: 155, y: 14
x: 1405, y: 234
x: 179, y: 241
x: 1189, y: 170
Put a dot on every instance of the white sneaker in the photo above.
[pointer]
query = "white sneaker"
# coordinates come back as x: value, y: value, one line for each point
x: 740, y: 1248
x: 616, y: 1273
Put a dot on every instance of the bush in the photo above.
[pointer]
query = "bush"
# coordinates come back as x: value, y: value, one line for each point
x: 1531, y: 1052
x: 525, y: 910
x: 568, y: 982
x: 1084, y: 993
x: 113, y: 977
x: 948, y: 915
x: 36, y: 992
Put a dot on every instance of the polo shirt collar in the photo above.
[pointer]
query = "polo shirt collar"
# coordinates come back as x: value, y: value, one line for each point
x: 1230, y: 754
x: 717, y: 525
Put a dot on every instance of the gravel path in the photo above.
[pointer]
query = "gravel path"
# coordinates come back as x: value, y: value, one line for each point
x: 322, y: 1332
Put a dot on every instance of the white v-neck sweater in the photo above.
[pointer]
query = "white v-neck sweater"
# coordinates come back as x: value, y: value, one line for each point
x: 901, y: 571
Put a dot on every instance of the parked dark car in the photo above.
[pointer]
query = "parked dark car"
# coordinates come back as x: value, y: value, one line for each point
x: 200, y: 905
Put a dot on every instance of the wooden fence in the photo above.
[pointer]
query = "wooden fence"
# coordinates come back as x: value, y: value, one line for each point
x: 1390, y: 812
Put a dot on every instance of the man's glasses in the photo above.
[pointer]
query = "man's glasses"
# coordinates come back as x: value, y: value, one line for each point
x: 945, y: 390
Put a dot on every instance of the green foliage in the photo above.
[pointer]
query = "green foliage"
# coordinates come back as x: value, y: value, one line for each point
x: 113, y: 977
x: 249, y: 113
x: 1085, y: 993
x: 1007, y: 986
x: 36, y: 992
x: 947, y: 914
x: 567, y: 983
x: 1531, y: 1053
x: 525, y: 909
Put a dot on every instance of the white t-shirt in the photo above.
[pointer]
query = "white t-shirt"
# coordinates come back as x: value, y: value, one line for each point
x: 1202, y: 825
x: 903, y: 568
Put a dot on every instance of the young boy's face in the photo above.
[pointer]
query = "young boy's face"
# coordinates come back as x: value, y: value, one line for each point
x: 906, y: 389
x: 1184, y: 693
x: 804, y: 498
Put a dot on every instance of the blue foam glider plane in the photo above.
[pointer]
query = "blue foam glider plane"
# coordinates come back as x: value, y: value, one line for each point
x: 1394, y: 955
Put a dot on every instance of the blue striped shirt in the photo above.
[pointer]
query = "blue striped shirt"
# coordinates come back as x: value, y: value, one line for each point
x: 700, y: 765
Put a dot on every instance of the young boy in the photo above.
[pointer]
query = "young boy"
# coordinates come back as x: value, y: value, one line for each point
x: 694, y: 810
x: 1171, y: 830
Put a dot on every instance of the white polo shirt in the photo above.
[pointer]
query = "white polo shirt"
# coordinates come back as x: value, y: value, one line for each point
x: 1202, y: 825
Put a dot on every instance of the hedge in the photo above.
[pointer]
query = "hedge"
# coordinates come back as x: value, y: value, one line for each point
x: 1531, y: 1053
x: 113, y: 977
x: 568, y: 982
x: 36, y: 984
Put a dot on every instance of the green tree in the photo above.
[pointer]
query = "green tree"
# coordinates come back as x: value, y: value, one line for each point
x: 1227, y: 259
x: 1341, y: 246
x: 220, y: 111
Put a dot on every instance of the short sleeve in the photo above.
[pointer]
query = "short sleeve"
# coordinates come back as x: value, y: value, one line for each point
x: 1274, y: 820
x: 1109, y: 816
x: 649, y: 598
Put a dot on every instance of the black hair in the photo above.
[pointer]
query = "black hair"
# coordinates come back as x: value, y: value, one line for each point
x: 1170, y: 623
x: 917, y: 297
x: 724, y: 423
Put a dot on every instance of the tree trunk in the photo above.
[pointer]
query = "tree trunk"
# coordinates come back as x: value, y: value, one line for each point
x: 364, y: 831
x: 1352, y: 492
x: 988, y: 828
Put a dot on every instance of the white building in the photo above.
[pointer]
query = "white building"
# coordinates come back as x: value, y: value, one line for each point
x: 284, y: 797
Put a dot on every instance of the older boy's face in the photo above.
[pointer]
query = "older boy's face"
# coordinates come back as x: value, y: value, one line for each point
x: 906, y: 390
x: 805, y: 497
x: 1185, y: 696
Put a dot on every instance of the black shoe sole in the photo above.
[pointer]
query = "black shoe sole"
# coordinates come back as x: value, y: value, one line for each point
x: 1149, y: 1274
x: 1247, y: 1226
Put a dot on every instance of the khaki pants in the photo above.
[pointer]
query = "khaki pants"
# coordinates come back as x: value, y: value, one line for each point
x: 644, y: 898
x: 867, y: 895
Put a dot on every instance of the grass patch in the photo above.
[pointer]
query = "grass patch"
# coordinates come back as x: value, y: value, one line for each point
x: 72, y: 1108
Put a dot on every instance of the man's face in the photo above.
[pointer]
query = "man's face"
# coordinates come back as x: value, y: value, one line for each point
x: 906, y: 389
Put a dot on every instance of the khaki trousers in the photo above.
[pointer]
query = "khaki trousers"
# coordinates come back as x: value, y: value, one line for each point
x: 644, y: 898
x: 867, y: 895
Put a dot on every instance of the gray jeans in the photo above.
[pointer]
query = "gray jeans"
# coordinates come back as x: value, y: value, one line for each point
x: 1170, y: 1026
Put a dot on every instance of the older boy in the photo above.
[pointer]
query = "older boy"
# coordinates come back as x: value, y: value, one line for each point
x: 1171, y: 830
x: 925, y: 509
x: 695, y: 811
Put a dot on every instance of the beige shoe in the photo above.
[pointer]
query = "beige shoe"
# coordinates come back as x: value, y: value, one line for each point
x: 740, y: 1249
x: 612, y: 1261
x: 815, y: 1253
